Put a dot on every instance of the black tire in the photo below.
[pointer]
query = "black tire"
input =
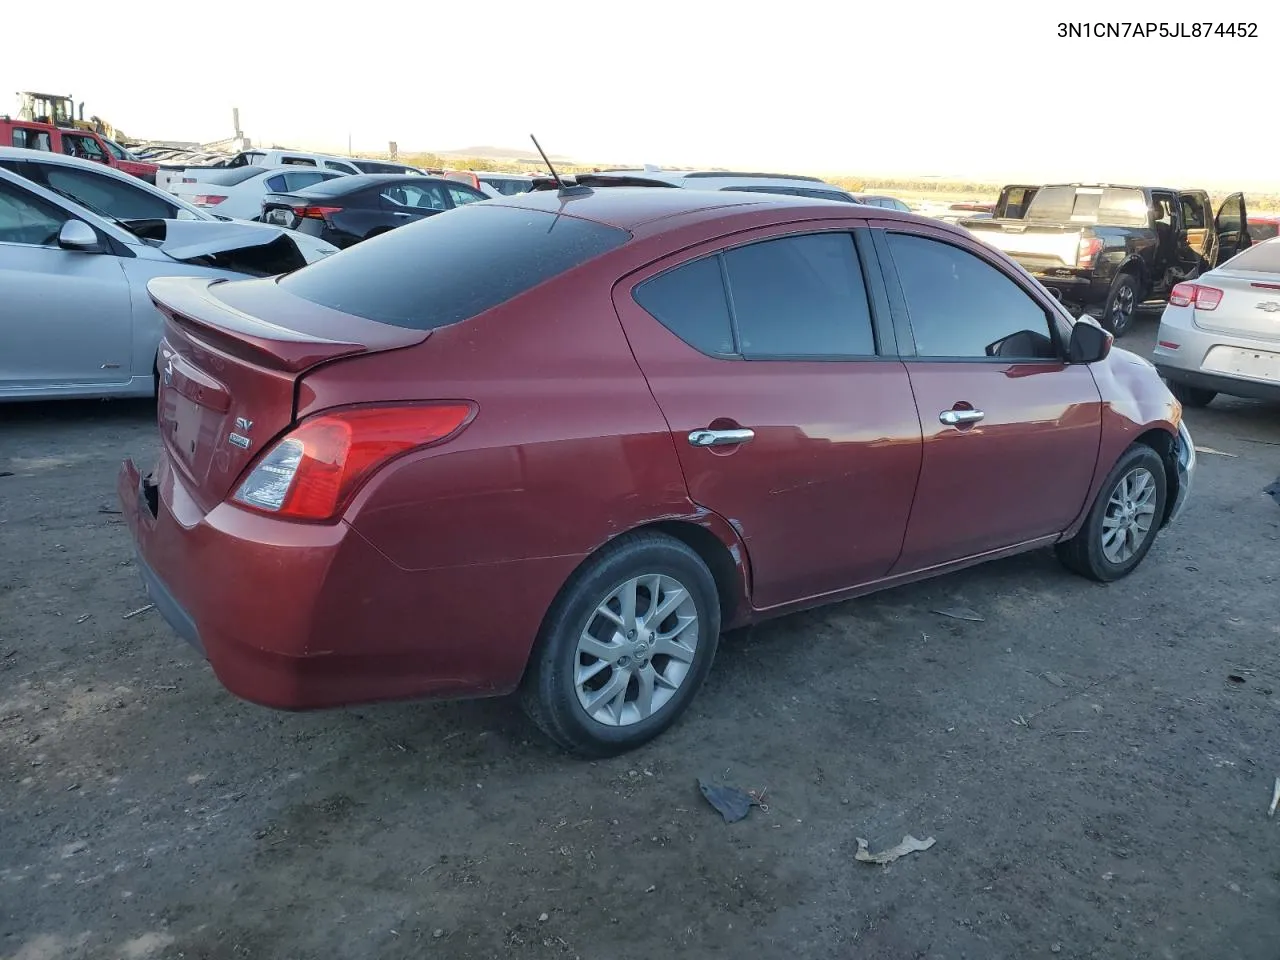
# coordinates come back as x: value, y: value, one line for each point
x: 549, y: 694
x: 1190, y: 396
x: 1084, y: 553
x: 1122, y: 305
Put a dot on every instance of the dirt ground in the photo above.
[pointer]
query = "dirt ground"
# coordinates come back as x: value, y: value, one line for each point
x: 1094, y: 763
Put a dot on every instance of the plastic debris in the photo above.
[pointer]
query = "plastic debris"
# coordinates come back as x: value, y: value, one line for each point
x: 961, y: 613
x: 1275, y: 799
x: 732, y: 803
x: 1216, y: 453
x: 1053, y: 678
x: 1273, y: 491
x: 909, y: 844
x: 141, y: 610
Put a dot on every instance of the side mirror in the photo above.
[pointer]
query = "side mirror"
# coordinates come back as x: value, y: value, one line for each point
x: 1089, y: 343
x: 77, y: 235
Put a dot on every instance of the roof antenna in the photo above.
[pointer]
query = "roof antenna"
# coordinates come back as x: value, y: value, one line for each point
x: 565, y: 189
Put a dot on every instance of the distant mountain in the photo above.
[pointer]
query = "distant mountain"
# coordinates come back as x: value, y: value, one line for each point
x: 500, y: 153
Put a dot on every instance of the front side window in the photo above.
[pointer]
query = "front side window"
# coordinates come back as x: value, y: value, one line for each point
x: 83, y: 147
x: 27, y: 219
x: 461, y: 196
x: 791, y: 298
x: 297, y: 162
x: 962, y: 307
x: 105, y: 193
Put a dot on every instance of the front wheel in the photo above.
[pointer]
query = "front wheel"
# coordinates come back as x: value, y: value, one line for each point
x: 1123, y: 520
x: 625, y: 646
x: 1121, y: 306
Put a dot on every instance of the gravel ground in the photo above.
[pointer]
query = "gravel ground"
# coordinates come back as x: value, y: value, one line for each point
x: 1094, y: 763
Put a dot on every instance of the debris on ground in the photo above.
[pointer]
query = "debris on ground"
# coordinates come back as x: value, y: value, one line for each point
x: 137, y: 613
x: 732, y: 803
x: 961, y: 613
x: 83, y: 617
x: 1275, y: 799
x: 1216, y: 453
x: 909, y: 844
x: 1273, y: 491
x: 1053, y: 678
x: 1235, y: 678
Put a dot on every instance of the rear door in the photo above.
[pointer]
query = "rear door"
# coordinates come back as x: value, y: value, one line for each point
x: 1231, y: 230
x: 773, y: 360
x: 1011, y: 431
x: 65, y: 315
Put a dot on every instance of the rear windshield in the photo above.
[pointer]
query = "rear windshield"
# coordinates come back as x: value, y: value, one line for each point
x: 1108, y: 206
x: 230, y: 176
x: 1263, y: 258
x: 451, y: 266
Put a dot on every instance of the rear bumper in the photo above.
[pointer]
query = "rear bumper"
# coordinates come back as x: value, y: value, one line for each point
x: 1191, y: 361
x: 299, y: 617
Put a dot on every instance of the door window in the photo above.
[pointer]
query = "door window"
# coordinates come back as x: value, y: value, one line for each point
x: 84, y: 147
x: 25, y: 218
x: 340, y: 167
x: 31, y: 139
x: 415, y: 197
x: 106, y: 194
x: 962, y: 307
x: 793, y: 297
x: 460, y: 196
x: 297, y: 162
x: 1230, y: 217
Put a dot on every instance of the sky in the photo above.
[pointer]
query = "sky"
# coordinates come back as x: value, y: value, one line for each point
x: 982, y: 91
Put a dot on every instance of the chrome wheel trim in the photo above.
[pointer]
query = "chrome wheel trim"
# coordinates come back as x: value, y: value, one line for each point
x: 636, y: 650
x: 1130, y: 515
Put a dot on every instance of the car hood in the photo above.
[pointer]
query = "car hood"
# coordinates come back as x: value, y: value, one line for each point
x: 241, y: 246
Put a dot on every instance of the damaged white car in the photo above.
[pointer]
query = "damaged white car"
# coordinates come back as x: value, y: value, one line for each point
x: 75, y: 316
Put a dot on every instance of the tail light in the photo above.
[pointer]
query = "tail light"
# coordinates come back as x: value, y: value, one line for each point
x: 315, y: 213
x: 1087, y: 252
x: 207, y: 200
x: 1195, y: 295
x: 313, y: 472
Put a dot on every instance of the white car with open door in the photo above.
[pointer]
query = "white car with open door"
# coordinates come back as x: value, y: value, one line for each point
x: 75, y: 316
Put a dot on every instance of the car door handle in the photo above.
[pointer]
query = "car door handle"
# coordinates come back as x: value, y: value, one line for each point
x: 953, y: 418
x: 397, y: 213
x: 719, y: 438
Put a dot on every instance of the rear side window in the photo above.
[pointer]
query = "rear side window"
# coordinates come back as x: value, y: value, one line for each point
x: 794, y: 297
x: 31, y: 139
x: 442, y: 270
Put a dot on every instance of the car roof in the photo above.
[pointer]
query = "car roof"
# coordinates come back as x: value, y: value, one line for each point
x: 629, y: 208
x: 359, y: 181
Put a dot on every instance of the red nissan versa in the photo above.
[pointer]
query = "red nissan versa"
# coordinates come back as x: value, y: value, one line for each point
x: 556, y: 443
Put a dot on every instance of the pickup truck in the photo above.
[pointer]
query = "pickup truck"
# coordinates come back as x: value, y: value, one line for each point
x: 1104, y: 249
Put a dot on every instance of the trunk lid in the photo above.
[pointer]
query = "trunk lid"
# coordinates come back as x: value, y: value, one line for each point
x: 230, y: 361
x: 1250, y: 304
x: 1038, y: 247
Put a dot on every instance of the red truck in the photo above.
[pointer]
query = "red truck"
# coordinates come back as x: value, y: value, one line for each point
x: 74, y: 142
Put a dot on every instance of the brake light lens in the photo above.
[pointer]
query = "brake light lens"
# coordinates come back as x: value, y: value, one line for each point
x: 313, y: 472
x: 207, y: 200
x: 1195, y: 295
x: 315, y: 213
x: 1087, y: 252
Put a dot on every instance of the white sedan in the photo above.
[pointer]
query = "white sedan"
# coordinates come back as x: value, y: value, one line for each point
x: 238, y: 191
x: 76, y: 320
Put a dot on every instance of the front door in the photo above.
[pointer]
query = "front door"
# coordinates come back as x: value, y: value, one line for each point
x: 1231, y: 230
x: 790, y: 414
x: 65, y: 315
x: 1011, y: 431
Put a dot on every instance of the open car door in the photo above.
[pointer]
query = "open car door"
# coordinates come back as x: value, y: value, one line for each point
x: 1231, y: 230
x: 1013, y: 202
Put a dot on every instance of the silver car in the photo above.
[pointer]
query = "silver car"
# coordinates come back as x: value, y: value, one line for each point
x: 75, y: 316
x: 1221, y: 332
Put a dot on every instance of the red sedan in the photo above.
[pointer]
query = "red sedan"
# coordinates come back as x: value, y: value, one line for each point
x: 556, y: 443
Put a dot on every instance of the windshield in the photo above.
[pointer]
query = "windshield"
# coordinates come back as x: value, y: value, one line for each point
x: 1107, y: 206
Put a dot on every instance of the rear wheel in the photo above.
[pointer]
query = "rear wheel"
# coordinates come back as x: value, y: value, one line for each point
x: 1123, y: 520
x: 1121, y: 306
x: 625, y: 647
x: 1191, y: 396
